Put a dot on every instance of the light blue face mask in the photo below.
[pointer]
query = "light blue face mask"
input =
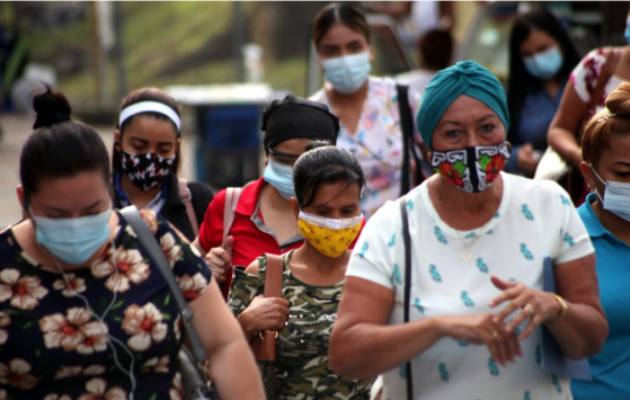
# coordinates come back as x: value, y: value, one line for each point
x: 347, y: 73
x: 616, y: 197
x: 546, y: 64
x: 279, y: 176
x: 626, y: 33
x: 73, y: 240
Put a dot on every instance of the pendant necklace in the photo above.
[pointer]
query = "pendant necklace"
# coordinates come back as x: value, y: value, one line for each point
x: 468, y: 240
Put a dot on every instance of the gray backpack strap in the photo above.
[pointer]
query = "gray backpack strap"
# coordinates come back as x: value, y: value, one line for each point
x: 232, y: 194
x: 186, y: 196
x: 150, y: 244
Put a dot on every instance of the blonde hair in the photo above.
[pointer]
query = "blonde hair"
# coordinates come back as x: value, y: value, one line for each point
x: 612, y: 121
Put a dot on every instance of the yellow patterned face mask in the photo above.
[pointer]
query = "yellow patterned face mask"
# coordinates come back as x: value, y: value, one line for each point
x: 330, y: 236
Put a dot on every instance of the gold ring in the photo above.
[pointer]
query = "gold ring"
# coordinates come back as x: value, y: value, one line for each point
x: 528, y: 309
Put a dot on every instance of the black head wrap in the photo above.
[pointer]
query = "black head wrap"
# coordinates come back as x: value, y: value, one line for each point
x: 292, y: 118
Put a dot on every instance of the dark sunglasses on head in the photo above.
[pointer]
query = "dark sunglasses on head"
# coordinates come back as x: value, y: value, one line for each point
x: 284, y: 157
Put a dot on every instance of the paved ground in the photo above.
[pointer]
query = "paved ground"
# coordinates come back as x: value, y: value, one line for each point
x: 16, y: 129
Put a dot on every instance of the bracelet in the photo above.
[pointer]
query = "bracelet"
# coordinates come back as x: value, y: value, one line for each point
x: 563, y: 308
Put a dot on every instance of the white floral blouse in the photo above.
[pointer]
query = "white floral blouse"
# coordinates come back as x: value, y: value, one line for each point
x: 378, y: 142
x: 105, y: 331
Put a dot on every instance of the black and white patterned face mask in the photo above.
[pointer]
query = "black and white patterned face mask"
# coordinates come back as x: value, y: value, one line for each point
x: 471, y: 169
x: 147, y: 170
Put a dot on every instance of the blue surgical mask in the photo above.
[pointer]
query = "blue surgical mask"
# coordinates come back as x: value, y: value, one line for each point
x: 279, y: 176
x: 626, y: 33
x: 347, y: 73
x: 616, y: 197
x: 73, y: 240
x: 546, y: 64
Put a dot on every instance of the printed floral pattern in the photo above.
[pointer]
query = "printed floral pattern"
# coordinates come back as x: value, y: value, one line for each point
x: 471, y: 169
x: 177, y: 391
x: 24, y: 292
x: 5, y: 321
x: 97, y: 390
x: 172, y: 250
x: 71, y: 286
x: 17, y: 373
x: 75, y: 331
x: 75, y: 371
x: 155, y: 364
x: 121, y: 268
x: 192, y: 286
x: 377, y: 143
x: 145, y: 325
x: 52, y: 346
x: 584, y: 79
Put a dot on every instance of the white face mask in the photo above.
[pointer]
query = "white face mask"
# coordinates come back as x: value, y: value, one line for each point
x: 616, y: 197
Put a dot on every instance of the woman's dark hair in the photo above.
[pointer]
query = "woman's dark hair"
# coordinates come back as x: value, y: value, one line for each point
x: 520, y: 81
x: 322, y: 165
x: 59, y: 148
x: 137, y: 96
x: 436, y: 49
x: 340, y: 13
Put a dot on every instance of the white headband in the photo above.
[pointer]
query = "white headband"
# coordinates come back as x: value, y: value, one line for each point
x: 149, y: 106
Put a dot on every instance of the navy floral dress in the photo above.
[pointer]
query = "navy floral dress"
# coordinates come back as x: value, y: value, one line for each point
x: 110, y: 330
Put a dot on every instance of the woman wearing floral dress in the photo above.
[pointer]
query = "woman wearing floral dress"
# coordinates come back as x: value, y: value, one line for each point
x: 367, y: 106
x: 84, y: 314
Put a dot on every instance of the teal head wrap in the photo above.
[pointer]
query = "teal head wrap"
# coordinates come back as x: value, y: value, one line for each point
x: 464, y: 78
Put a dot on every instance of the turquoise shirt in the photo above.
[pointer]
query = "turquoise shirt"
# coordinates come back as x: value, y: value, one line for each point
x: 611, y: 366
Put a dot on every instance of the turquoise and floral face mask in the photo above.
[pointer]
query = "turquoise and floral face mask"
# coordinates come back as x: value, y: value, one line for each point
x: 471, y: 169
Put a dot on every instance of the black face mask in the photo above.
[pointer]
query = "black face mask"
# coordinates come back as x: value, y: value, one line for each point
x: 147, y: 170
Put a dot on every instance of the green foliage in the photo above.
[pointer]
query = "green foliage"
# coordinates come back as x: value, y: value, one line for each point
x: 165, y: 43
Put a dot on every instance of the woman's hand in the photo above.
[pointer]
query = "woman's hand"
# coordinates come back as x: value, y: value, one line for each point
x: 264, y: 313
x: 527, y: 158
x: 220, y: 258
x: 483, y: 329
x: 530, y: 305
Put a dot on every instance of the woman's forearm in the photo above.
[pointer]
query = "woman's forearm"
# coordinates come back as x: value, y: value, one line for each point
x: 365, y: 350
x: 581, y: 331
x: 235, y: 373
x: 564, y: 142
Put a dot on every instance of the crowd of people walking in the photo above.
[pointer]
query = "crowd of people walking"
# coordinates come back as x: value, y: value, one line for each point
x: 394, y: 247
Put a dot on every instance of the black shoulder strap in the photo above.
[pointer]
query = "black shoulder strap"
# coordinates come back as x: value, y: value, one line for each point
x: 407, y: 244
x: 150, y: 244
x: 409, y: 149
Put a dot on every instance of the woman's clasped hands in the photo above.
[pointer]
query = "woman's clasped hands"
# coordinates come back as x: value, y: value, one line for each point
x: 528, y: 309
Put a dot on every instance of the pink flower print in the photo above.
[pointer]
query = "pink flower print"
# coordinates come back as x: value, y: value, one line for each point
x: 171, y: 249
x: 156, y: 364
x: 94, y: 369
x: 71, y: 286
x: 177, y: 390
x: 17, y: 374
x: 68, y: 372
x: 5, y: 320
x: 24, y: 292
x: 97, y: 390
x: 145, y: 325
x: 55, y: 396
x: 177, y: 328
x: 65, y: 332
x: 95, y: 338
x: 120, y: 268
x: 76, y: 371
x: 192, y: 286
